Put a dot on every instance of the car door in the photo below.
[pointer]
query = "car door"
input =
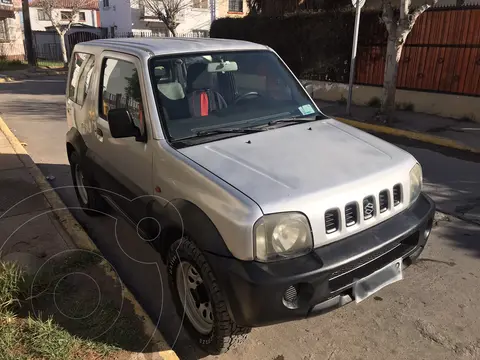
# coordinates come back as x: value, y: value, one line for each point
x: 124, y: 164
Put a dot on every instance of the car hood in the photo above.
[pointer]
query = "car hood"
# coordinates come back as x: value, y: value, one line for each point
x: 285, y: 168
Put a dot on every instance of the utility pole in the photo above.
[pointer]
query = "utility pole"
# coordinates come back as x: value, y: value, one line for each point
x: 358, y: 4
x: 27, y: 30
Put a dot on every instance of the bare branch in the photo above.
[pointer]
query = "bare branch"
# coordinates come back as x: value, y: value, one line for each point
x: 388, y: 16
x: 51, y: 8
x: 420, y: 10
x: 167, y: 11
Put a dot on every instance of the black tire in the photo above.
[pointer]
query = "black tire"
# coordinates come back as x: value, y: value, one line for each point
x: 225, y: 333
x: 95, y: 204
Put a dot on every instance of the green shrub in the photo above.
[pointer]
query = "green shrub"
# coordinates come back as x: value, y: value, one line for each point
x: 315, y: 45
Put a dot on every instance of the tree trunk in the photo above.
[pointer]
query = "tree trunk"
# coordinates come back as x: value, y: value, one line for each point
x: 173, y: 30
x: 64, y: 50
x: 394, y: 52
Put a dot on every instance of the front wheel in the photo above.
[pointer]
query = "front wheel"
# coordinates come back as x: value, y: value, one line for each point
x: 199, y: 301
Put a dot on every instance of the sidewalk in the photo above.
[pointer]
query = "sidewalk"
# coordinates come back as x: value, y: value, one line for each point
x: 15, y: 75
x: 458, y: 134
x: 37, y: 229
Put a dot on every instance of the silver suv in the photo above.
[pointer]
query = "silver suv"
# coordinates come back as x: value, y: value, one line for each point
x: 263, y: 209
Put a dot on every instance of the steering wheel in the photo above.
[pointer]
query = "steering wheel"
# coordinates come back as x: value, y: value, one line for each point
x: 246, y: 96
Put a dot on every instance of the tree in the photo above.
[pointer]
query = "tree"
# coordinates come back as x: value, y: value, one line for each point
x: 399, y: 23
x: 167, y: 11
x: 254, y: 6
x: 62, y: 21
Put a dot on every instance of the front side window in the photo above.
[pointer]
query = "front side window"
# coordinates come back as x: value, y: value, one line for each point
x: 235, y: 6
x: 121, y: 90
x: 204, y: 92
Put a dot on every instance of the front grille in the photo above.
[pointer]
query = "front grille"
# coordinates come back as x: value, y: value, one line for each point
x: 368, y: 207
x: 351, y: 214
x: 332, y: 221
x: 383, y: 201
x: 397, y: 194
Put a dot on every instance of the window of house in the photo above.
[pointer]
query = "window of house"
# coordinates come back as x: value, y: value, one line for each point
x: 81, y: 16
x: 3, y: 30
x: 121, y: 90
x: 77, y: 66
x: 65, y: 15
x: 235, y: 6
x: 41, y: 15
x: 200, y: 4
x: 106, y: 3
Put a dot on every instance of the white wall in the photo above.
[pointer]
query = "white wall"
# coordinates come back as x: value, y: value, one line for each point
x: 194, y: 19
x: 118, y: 14
x: 90, y: 18
x: 126, y: 15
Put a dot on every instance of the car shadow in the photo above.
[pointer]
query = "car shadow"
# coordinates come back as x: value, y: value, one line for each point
x: 138, y: 265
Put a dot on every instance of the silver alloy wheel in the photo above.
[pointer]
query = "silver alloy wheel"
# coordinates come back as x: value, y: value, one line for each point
x: 194, y: 297
x: 80, y: 185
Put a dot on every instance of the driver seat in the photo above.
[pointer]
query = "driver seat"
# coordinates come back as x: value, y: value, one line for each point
x: 202, y: 101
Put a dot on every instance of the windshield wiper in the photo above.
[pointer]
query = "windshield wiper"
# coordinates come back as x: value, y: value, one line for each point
x: 297, y: 119
x: 246, y: 130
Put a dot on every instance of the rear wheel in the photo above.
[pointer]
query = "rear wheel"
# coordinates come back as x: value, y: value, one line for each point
x: 199, y: 301
x: 89, y: 198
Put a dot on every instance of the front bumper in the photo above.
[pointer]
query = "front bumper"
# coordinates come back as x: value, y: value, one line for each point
x: 324, y: 278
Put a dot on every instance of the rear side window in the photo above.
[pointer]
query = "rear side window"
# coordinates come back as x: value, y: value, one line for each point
x: 77, y: 65
x: 85, y: 79
x: 121, y: 90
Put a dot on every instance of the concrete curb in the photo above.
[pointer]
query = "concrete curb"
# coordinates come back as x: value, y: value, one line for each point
x: 435, y: 140
x: 81, y: 239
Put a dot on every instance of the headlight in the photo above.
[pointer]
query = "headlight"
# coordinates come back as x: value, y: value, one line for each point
x: 281, y: 236
x: 416, y: 180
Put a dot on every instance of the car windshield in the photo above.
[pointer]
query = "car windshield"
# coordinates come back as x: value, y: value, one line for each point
x: 226, y: 93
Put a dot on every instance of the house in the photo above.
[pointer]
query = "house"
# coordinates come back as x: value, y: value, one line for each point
x: 132, y: 16
x: 11, y: 34
x: 88, y: 15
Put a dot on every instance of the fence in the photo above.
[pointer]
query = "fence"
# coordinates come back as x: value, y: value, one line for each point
x: 48, y: 50
x: 441, y: 54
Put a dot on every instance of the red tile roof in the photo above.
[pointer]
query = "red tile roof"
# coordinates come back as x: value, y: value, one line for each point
x: 69, y: 4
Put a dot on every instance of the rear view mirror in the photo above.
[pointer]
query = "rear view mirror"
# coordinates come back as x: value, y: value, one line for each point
x: 121, y: 124
x: 224, y: 66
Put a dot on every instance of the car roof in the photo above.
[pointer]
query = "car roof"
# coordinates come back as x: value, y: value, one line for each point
x: 170, y: 46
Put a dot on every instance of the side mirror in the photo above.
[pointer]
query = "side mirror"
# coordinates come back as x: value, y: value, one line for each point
x: 121, y: 124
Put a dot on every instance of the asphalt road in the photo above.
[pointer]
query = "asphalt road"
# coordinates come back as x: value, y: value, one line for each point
x: 431, y: 314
